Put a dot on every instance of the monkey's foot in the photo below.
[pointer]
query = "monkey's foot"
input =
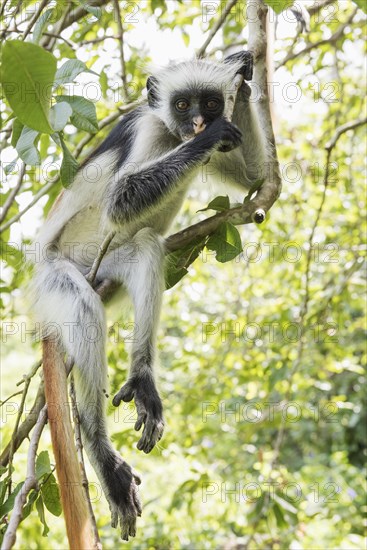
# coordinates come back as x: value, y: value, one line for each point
x: 149, y: 408
x: 124, y: 501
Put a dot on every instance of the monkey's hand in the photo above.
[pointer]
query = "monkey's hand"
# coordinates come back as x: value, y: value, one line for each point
x: 148, y: 406
x: 228, y: 136
x: 247, y: 60
x: 124, y: 500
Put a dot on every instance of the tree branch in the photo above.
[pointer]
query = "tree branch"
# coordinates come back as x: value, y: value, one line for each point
x: 9, y: 201
x: 72, y: 15
x: 120, y: 39
x: 201, y: 51
x: 35, y: 199
x: 342, y: 129
x: 34, y: 18
x: 29, y: 483
x: 79, y: 450
x: 76, y: 514
x: 333, y: 38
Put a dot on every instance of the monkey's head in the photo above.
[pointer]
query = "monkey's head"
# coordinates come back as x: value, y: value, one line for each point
x: 189, y: 96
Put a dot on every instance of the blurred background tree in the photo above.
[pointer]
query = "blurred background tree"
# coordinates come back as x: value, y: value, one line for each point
x: 262, y: 360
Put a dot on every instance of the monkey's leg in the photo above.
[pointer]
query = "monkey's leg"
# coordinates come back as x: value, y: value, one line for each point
x: 139, y: 265
x: 67, y: 305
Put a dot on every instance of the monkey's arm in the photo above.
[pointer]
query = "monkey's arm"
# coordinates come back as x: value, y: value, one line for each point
x: 136, y: 192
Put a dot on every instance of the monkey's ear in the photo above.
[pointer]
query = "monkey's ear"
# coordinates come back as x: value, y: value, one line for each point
x: 152, y: 88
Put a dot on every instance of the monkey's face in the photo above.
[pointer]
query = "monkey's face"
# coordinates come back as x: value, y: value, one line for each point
x: 191, y: 111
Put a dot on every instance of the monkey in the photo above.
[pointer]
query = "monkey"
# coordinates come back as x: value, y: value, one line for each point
x: 134, y: 183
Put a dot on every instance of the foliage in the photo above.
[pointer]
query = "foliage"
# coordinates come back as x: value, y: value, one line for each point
x: 262, y: 360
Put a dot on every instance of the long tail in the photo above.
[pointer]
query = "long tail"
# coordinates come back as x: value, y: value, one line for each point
x: 67, y: 307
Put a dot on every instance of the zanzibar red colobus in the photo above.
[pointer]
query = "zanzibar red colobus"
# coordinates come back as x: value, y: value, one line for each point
x: 134, y: 183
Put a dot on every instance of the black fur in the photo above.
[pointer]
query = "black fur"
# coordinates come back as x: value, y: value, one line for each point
x: 140, y: 190
x: 248, y: 63
x: 120, y: 139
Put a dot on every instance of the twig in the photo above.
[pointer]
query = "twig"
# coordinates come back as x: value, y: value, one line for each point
x: 68, y: 42
x: 97, y: 40
x: 97, y: 262
x: 57, y: 29
x: 26, y: 426
x: 2, y: 403
x: 35, y: 199
x: 31, y: 373
x: 34, y: 18
x: 318, y: 6
x: 217, y: 26
x: 9, y: 201
x: 333, y: 38
x: 3, y: 7
x: 29, y: 483
x: 305, y: 302
x: 123, y: 110
x: 71, y: 15
x: 342, y: 129
x: 27, y: 381
x: 120, y: 40
x: 79, y: 450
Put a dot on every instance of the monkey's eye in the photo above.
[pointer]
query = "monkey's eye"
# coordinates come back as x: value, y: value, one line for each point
x: 212, y: 104
x: 182, y: 105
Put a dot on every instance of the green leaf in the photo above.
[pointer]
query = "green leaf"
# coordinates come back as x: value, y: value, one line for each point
x: 51, y: 496
x: 8, y: 168
x: 103, y: 80
x: 27, y: 76
x: 11, y: 255
x: 226, y: 242
x: 41, y: 515
x: 219, y: 204
x: 43, y: 465
x: 84, y: 112
x: 29, y: 506
x: 17, y: 130
x: 69, y: 71
x: 177, y: 262
x: 40, y: 25
x: 186, y: 38
x: 96, y: 11
x: 285, y: 504
x: 361, y: 4
x: 279, y: 516
x: 26, y: 146
x: 154, y: 4
x: 9, y: 503
x: 69, y: 165
x: 59, y: 115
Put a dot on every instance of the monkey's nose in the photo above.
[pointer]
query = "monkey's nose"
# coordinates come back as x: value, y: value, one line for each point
x: 198, y: 124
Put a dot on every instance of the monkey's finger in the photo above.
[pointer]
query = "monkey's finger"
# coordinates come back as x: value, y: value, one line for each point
x: 128, y: 523
x: 147, y: 440
x: 142, y: 416
x: 144, y: 443
x: 137, y: 503
x: 136, y: 477
x: 114, y: 519
x: 126, y: 394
